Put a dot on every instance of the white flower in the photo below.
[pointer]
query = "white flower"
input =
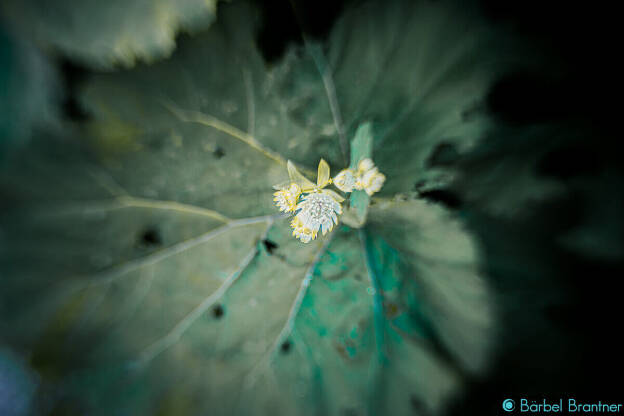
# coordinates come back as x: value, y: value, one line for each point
x: 315, y: 208
x: 318, y: 211
x: 286, y: 199
x: 371, y: 180
x: 375, y: 183
x: 345, y: 180
x: 302, y: 233
x: 366, y: 178
x: 365, y: 165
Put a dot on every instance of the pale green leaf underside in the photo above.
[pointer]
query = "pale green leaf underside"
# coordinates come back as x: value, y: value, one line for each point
x: 190, y: 147
x: 108, y: 33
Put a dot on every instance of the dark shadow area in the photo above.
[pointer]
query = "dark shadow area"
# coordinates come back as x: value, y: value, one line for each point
x: 284, y: 22
x: 559, y: 304
x: 73, y: 76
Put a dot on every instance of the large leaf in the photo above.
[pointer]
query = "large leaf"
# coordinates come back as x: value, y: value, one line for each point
x: 144, y: 266
x: 105, y: 33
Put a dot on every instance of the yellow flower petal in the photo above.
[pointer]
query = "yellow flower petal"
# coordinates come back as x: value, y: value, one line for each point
x: 322, y: 178
x: 301, y: 232
x: 286, y: 199
x: 298, y: 178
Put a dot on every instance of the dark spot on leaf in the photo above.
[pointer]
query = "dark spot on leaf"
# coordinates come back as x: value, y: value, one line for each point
x: 444, y: 154
x: 219, y: 152
x: 285, y: 347
x: 419, y: 185
x: 218, y: 311
x: 443, y: 196
x: 150, y: 238
x: 349, y: 411
x: 341, y: 349
x: 565, y: 163
x: 73, y: 76
x: 418, y: 405
x: 391, y: 309
x: 270, y: 245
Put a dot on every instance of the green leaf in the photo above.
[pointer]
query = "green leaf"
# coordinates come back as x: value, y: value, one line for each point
x: 361, y: 145
x: 445, y: 260
x: 359, y: 201
x: 146, y: 270
x: 361, y: 148
x: 419, y: 73
x: 108, y: 33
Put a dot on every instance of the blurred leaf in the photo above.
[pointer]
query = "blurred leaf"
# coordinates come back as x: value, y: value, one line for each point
x: 501, y: 175
x: 17, y: 386
x: 599, y: 233
x: 442, y: 257
x: 28, y: 91
x: 108, y: 33
x: 145, y: 269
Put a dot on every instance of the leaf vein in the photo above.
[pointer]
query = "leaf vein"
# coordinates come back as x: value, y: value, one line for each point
x: 211, y: 121
x: 178, y: 248
x: 181, y: 327
x: 288, y: 327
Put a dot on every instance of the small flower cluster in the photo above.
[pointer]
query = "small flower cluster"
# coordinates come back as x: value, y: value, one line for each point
x: 316, y: 208
x: 366, y: 178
